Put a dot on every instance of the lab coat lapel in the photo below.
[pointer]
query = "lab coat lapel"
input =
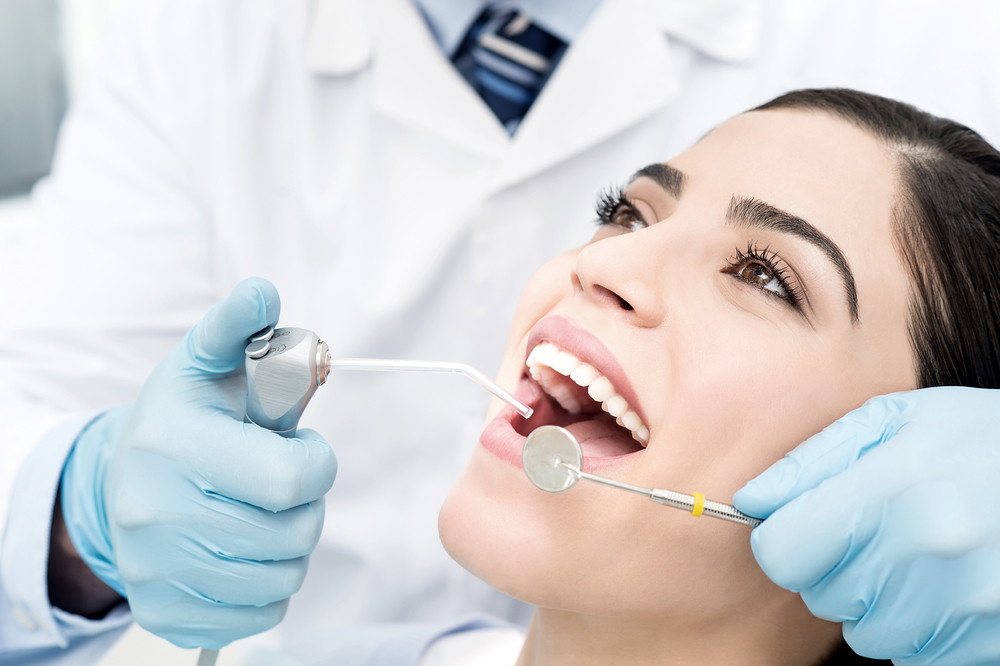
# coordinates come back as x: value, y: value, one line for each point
x: 412, y: 81
x: 727, y: 30
x: 597, y: 92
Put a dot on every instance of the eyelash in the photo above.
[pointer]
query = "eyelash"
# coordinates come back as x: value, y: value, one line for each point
x: 774, y: 265
x: 611, y: 202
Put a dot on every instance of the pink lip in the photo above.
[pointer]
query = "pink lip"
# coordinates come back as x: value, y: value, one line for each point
x: 502, y: 440
x: 499, y: 436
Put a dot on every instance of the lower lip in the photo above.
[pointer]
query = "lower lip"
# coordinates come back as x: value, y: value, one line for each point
x: 502, y: 440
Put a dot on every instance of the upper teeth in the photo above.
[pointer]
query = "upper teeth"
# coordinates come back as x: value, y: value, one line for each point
x: 547, y: 355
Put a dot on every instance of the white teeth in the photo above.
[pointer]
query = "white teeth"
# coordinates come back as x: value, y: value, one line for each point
x: 562, y: 393
x: 544, y: 353
x: 631, y: 421
x: 616, y: 405
x: 532, y: 361
x: 584, y: 375
x: 546, y: 362
x: 550, y: 381
x: 601, y: 389
x: 564, y: 363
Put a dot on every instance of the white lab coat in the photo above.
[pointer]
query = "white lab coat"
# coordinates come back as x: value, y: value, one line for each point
x: 330, y: 147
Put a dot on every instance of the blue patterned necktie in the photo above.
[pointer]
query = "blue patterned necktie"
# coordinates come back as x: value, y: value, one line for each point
x: 507, y: 60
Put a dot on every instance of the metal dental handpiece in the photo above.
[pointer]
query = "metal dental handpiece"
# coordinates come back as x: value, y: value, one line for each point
x: 552, y: 459
x: 285, y: 366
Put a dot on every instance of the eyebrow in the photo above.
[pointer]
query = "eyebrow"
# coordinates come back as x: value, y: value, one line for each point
x: 664, y: 175
x: 753, y: 213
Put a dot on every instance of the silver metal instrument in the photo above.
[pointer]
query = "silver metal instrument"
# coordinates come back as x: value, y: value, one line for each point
x: 207, y: 657
x: 284, y: 368
x: 552, y: 460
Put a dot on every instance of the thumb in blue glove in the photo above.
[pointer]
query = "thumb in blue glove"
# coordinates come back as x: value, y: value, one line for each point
x: 889, y: 521
x: 202, y: 522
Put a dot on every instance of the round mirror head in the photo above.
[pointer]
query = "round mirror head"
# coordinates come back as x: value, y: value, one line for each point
x: 544, y: 449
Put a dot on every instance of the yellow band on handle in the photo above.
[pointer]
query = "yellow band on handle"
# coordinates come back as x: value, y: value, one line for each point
x: 699, y: 504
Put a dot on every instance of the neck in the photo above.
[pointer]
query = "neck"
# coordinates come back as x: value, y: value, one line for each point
x: 564, y: 637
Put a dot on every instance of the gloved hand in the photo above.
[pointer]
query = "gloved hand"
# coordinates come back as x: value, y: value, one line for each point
x: 204, y: 523
x: 889, y: 521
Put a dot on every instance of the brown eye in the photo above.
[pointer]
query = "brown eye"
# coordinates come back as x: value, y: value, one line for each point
x: 627, y: 218
x: 614, y: 208
x: 761, y: 276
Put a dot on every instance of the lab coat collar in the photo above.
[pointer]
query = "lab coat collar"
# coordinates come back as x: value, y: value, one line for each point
x: 595, y: 92
x: 727, y: 30
x: 412, y: 81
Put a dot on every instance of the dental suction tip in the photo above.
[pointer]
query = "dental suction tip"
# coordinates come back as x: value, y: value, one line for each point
x: 548, y: 456
x: 385, y: 365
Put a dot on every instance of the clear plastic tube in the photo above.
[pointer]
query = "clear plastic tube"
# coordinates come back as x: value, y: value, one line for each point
x: 382, y: 365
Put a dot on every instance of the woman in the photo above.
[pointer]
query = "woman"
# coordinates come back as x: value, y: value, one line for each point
x: 803, y: 257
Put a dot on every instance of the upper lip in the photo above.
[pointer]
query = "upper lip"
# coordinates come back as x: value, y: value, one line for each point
x: 587, y: 347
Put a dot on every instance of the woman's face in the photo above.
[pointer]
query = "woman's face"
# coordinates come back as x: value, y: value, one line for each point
x: 739, y: 299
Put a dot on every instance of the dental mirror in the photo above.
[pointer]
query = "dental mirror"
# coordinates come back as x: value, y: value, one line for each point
x: 553, y: 461
x: 544, y: 450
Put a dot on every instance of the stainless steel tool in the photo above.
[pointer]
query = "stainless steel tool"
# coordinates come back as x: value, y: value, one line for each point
x: 552, y: 460
x: 284, y: 368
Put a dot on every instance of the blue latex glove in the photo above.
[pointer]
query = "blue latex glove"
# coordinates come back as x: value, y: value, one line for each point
x: 889, y: 521
x: 202, y: 522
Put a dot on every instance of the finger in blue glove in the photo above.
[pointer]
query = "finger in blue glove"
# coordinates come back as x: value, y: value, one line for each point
x: 204, y: 523
x: 887, y: 521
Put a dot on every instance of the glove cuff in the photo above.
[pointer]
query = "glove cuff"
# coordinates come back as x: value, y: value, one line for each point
x: 82, y: 491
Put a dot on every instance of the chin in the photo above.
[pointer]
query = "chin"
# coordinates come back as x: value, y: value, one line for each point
x: 512, y: 536
x: 486, y: 526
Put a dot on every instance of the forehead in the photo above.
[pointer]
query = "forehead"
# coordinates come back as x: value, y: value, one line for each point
x: 808, y: 163
x: 817, y: 167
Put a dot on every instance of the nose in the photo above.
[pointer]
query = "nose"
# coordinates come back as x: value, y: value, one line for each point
x: 615, y: 273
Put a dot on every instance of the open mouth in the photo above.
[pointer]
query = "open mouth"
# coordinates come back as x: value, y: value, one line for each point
x: 566, y: 391
x: 582, y: 396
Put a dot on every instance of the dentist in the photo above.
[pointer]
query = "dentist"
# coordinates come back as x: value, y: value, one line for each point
x: 398, y: 170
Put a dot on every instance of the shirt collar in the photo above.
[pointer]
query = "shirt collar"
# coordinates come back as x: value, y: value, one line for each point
x: 339, y: 41
x: 450, y: 19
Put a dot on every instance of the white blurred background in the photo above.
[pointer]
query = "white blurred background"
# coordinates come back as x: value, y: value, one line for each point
x: 46, y: 48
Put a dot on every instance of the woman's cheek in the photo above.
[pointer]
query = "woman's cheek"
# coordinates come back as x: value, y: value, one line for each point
x: 549, y: 285
x: 737, y: 405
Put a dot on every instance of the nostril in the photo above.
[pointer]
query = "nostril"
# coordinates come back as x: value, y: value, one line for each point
x: 610, y: 297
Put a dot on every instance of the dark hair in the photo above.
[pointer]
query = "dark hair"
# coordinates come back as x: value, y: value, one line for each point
x: 947, y: 230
